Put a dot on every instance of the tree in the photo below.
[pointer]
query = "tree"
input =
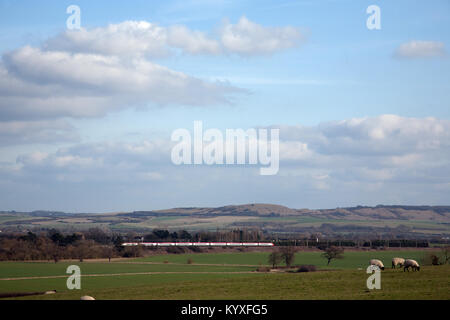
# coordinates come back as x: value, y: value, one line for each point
x: 275, y: 258
x: 332, y: 252
x: 98, y: 235
x: 83, y: 249
x: 30, y: 237
x: 109, y: 252
x: 161, y: 234
x: 184, y: 235
x: 288, y: 254
x: 118, y: 240
x: 54, y: 251
x: 445, y: 251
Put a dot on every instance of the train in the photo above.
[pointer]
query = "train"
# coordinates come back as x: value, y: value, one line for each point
x: 199, y: 244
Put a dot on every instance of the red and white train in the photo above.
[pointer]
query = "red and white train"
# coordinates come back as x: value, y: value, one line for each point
x: 199, y: 244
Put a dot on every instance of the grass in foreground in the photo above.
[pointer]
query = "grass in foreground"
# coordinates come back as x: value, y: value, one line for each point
x: 346, y: 281
x: 39, y: 269
x: 429, y: 283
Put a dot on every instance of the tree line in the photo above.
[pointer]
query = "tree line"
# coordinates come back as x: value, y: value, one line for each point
x: 53, y: 245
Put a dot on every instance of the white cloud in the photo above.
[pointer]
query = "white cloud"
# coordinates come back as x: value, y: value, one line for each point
x: 193, y: 42
x: 46, y: 84
x: 325, y: 164
x: 332, y: 150
x: 30, y: 132
x: 124, y: 39
x: 382, y: 135
x: 90, y: 73
x: 387, y: 148
x: 142, y: 38
x: 249, y: 38
x: 421, y: 49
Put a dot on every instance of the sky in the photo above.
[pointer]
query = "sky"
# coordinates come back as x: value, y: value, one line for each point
x: 86, y: 115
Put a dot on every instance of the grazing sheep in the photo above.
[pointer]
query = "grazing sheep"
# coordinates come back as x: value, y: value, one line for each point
x: 397, y: 262
x: 378, y: 263
x: 87, y: 298
x: 409, y: 263
x: 50, y: 292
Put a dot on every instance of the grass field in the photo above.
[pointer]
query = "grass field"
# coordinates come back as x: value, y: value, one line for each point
x: 150, y: 278
x: 352, y: 259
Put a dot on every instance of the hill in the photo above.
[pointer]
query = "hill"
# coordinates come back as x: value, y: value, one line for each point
x: 417, y: 220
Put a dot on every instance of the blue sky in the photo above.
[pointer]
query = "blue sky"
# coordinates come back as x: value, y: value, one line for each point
x: 319, y: 70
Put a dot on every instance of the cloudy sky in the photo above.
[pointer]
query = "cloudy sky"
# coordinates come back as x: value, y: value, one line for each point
x: 86, y: 115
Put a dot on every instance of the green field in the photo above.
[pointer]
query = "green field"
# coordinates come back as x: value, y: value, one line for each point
x: 228, y: 276
x: 352, y: 259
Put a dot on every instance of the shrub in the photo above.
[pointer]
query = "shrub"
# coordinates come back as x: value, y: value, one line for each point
x: 431, y: 259
x: 307, y: 268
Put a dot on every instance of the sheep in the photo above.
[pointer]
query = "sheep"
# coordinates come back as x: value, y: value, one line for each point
x: 397, y: 262
x: 378, y: 263
x: 409, y: 263
x: 50, y: 292
x: 87, y: 298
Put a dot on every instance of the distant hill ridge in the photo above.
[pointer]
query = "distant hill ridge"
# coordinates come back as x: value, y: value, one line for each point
x: 402, y: 212
x: 435, y: 213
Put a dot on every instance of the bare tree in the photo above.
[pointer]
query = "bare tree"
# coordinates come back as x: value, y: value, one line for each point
x: 288, y: 254
x: 332, y: 252
x: 445, y: 252
x: 275, y: 258
x: 109, y: 252
x: 83, y: 249
x: 55, y: 252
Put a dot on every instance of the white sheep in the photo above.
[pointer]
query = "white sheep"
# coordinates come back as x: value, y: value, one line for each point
x: 378, y: 263
x: 397, y: 262
x: 409, y: 263
x: 87, y: 298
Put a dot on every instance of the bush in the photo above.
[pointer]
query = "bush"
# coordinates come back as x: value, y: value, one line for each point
x: 190, y: 261
x: 132, y: 252
x: 307, y: 268
x: 431, y: 259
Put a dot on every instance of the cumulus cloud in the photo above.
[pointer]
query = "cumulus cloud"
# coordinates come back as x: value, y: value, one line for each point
x: 51, y: 84
x: 390, y: 157
x: 193, y: 42
x: 143, y: 38
x: 249, y: 38
x: 30, y: 132
x: 383, y: 135
x: 372, y: 147
x: 125, y: 38
x: 421, y: 49
x: 89, y: 73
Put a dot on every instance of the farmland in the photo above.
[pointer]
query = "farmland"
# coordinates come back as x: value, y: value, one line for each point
x: 228, y: 276
x: 406, y: 220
